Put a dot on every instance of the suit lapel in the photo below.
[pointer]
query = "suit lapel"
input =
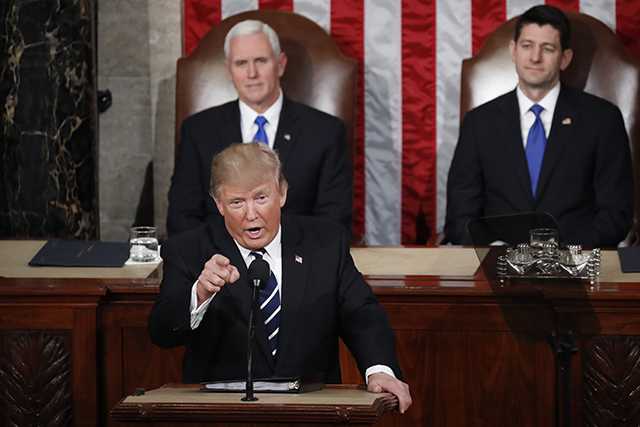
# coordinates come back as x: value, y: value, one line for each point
x: 514, y: 149
x: 564, y: 118
x: 295, y: 266
x: 231, y: 129
x: 241, y: 291
x: 288, y: 131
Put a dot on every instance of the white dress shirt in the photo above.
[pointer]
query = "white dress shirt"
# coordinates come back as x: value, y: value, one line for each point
x: 248, y: 124
x: 273, y: 255
x: 546, y: 116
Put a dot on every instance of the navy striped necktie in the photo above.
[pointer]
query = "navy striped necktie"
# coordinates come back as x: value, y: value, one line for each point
x: 269, y: 302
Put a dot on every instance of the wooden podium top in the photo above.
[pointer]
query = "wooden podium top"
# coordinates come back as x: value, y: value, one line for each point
x: 333, y: 404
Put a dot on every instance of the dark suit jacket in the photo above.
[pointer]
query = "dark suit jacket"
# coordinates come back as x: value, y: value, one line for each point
x: 585, y: 181
x: 312, y: 149
x: 323, y: 297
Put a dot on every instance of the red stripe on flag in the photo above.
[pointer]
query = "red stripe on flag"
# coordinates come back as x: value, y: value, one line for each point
x: 566, y: 5
x: 199, y: 17
x: 628, y: 24
x: 347, y: 28
x: 285, y: 5
x: 486, y: 16
x: 418, y: 120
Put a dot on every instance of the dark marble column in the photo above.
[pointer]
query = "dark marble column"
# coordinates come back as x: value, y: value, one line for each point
x: 48, y: 184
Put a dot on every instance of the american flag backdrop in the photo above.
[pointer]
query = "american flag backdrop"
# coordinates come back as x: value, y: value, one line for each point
x: 409, y: 54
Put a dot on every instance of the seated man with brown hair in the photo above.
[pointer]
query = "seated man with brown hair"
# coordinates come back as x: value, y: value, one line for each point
x: 314, y: 295
x: 311, y: 144
x: 543, y: 147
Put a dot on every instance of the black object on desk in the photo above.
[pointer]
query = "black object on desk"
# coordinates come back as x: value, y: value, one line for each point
x: 629, y: 259
x: 81, y: 253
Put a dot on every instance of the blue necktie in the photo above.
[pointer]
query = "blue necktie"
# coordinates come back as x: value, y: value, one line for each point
x: 261, y: 135
x: 536, y: 142
x: 269, y: 301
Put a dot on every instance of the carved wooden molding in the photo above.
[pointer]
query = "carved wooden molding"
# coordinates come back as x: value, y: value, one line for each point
x: 35, y: 378
x: 612, y: 381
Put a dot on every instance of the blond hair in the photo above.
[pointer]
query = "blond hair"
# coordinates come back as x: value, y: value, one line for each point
x: 254, y: 161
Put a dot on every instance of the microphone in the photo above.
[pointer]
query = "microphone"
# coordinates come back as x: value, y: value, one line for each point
x: 259, y: 273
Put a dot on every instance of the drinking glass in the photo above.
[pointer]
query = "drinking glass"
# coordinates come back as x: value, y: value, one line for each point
x: 539, y: 236
x: 144, y: 244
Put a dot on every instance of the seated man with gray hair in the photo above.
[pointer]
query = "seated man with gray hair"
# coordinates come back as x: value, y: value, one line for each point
x: 311, y: 143
x: 314, y: 295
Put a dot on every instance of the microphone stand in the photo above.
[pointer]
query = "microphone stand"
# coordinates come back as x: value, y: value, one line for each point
x: 249, y: 397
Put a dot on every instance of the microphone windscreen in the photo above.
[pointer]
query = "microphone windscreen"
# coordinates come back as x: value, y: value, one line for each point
x: 259, y: 270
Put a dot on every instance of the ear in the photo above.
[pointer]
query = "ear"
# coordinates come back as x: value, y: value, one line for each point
x: 283, y: 193
x: 512, y: 49
x: 282, y: 63
x: 567, y: 56
x: 219, y: 205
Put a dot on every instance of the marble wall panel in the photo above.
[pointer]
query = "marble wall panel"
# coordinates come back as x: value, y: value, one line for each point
x: 48, y: 120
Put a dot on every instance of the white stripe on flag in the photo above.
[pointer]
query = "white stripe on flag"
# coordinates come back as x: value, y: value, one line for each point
x: 518, y: 7
x: 318, y: 11
x: 383, y: 121
x: 233, y: 7
x: 453, y: 44
x: 604, y: 10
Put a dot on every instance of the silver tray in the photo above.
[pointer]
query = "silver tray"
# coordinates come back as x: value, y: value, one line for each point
x: 549, y: 261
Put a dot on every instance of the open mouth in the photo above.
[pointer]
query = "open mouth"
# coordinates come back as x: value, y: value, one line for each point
x: 254, y: 232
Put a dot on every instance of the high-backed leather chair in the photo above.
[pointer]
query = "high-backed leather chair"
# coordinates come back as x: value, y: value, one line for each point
x: 317, y: 73
x: 600, y: 66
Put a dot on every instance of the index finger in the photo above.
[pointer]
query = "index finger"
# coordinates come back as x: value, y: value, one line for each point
x: 220, y: 260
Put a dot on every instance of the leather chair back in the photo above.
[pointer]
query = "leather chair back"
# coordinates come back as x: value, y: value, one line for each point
x: 600, y: 66
x: 317, y: 73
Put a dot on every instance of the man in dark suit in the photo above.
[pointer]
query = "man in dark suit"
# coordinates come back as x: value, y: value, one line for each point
x: 314, y: 295
x: 543, y: 147
x: 311, y: 144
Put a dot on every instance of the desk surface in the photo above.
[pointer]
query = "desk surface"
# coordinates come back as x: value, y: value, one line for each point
x: 16, y: 254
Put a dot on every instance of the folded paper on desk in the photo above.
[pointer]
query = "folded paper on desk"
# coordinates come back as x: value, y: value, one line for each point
x: 629, y: 259
x: 268, y: 385
x: 81, y: 253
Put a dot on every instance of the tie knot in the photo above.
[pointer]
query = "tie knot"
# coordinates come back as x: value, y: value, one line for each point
x: 260, y: 121
x: 535, y: 108
x: 257, y: 254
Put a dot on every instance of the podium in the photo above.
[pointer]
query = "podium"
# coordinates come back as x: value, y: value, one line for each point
x: 186, y: 404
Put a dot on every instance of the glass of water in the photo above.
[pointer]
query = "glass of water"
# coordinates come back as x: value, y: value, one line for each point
x: 144, y: 244
x: 539, y: 236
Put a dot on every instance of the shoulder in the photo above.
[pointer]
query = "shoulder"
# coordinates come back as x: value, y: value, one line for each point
x: 192, y: 244
x: 311, y: 114
x: 494, y: 105
x: 587, y: 101
x: 320, y: 231
x: 204, y: 117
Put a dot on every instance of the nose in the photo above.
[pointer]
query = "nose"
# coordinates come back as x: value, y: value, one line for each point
x: 536, y: 54
x: 252, y: 71
x: 251, y: 212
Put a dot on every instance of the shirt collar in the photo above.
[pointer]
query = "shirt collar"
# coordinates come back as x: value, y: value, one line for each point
x: 273, y: 249
x: 272, y: 114
x: 548, y: 102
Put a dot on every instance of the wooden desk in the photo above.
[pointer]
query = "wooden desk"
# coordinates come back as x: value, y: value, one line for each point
x: 334, y: 405
x: 464, y: 343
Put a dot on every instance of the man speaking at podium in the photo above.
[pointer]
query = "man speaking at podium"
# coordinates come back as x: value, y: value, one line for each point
x: 314, y: 295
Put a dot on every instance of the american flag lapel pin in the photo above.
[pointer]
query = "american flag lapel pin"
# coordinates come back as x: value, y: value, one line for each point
x: 298, y: 259
x: 566, y: 121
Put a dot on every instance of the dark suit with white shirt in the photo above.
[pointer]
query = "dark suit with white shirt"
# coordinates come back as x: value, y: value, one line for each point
x: 585, y: 181
x: 323, y: 297
x: 311, y: 146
